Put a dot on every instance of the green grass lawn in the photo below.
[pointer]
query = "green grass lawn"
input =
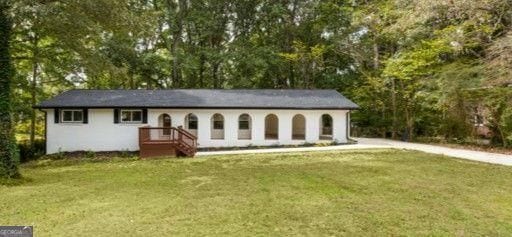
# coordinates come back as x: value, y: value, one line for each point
x: 383, y: 192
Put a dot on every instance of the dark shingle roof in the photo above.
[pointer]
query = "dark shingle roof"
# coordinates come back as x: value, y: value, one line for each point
x: 201, y: 98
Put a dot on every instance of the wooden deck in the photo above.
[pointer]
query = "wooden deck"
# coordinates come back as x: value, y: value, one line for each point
x: 160, y: 141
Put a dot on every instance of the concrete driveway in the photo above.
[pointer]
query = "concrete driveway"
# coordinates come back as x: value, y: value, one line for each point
x: 481, y: 156
x: 373, y: 143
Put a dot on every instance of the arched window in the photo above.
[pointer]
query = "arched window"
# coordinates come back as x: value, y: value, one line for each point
x: 164, y: 121
x: 326, y: 127
x: 217, y: 131
x: 299, y: 127
x: 271, y: 127
x: 191, y: 123
x: 244, y: 126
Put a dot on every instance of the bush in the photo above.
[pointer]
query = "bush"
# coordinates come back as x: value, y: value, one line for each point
x: 90, y: 154
x: 28, y: 153
x: 125, y: 154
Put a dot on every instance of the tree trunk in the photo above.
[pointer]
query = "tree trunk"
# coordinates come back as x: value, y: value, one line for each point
x: 291, y: 75
x: 407, y: 117
x: 376, y: 56
x: 384, y: 130
x: 176, y: 41
x: 502, y: 137
x: 175, y: 16
x: 132, y: 80
x: 305, y: 73
x: 393, y: 107
x: 409, y: 120
x: 175, y: 65
x: 290, y: 80
x: 202, y: 60
x: 33, y: 88
x: 8, y: 149
x: 408, y: 110
x: 215, y: 75
x: 496, y: 114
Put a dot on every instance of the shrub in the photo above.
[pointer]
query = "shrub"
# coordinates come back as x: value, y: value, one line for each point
x: 28, y: 153
x: 90, y: 154
x: 125, y: 154
x: 59, y: 155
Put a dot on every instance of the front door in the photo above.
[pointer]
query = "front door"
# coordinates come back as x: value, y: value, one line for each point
x: 166, y: 124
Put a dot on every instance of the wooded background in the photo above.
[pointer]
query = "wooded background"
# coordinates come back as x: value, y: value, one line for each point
x: 422, y: 68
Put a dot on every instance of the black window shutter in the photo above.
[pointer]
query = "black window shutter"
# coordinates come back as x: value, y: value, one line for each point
x: 116, y: 115
x: 144, y: 115
x: 86, y: 116
x: 56, y: 113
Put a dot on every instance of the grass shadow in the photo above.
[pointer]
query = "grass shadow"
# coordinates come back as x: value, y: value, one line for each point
x: 15, y: 181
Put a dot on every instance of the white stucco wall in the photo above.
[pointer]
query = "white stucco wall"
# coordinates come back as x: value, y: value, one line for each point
x: 101, y: 134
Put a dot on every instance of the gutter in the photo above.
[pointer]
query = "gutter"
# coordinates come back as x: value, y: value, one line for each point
x: 41, y: 107
x: 189, y: 107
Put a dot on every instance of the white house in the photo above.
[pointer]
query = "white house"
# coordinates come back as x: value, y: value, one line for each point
x: 111, y: 120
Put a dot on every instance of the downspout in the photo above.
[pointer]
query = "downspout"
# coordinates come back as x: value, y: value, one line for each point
x: 348, y: 125
x: 45, y: 130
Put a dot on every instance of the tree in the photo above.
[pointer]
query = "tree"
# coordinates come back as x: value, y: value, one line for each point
x: 498, y: 88
x: 8, y: 149
x: 415, y: 66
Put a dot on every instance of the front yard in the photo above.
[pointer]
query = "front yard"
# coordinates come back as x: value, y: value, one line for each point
x: 383, y: 192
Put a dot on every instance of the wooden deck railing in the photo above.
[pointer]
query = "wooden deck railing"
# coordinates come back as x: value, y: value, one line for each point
x: 178, y: 138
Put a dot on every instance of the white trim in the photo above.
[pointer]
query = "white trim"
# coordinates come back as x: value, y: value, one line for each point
x: 72, y: 121
x: 131, y: 116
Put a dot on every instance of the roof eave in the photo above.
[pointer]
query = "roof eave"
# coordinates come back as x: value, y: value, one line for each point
x: 192, y: 107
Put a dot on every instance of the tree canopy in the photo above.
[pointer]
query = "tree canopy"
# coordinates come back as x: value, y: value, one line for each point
x: 416, y: 68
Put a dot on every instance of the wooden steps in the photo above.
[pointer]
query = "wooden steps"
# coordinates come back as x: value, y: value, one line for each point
x: 159, y: 141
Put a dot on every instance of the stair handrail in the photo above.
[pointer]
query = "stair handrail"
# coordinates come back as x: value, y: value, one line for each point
x: 187, y: 133
x: 190, y: 136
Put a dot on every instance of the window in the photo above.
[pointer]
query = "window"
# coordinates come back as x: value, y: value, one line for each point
x: 217, y: 127
x: 243, y: 122
x: 218, y: 121
x: 244, y: 127
x: 327, y: 121
x: 72, y: 116
x: 164, y: 120
x: 191, y: 121
x: 325, y: 126
x: 299, y: 127
x: 271, y: 127
x: 131, y: 116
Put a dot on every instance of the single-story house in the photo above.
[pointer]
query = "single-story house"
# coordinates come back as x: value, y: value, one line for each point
x: 131, y: 120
